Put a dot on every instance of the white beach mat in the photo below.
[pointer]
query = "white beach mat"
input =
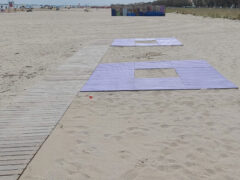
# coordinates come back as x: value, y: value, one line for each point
x: 147, y: 42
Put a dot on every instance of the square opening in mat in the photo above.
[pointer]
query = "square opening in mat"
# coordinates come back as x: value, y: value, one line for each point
x: 147, y: 42
x: 155, y: 73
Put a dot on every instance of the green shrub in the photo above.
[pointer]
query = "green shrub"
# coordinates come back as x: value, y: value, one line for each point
x: 208, y: 12
x: 238, y: 16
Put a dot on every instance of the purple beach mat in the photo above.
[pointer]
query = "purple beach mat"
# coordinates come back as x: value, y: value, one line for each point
x: 137, y: 42
x: 192, y: 74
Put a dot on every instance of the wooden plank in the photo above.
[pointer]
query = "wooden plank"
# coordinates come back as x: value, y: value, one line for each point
x: 32, y: 141
x: 14, y: 162
x: 35, y: 137
x: 45, y: 119
x: 17, y: 157
x: 23, y: 128
x: 11, y: 172
x: 20, y: 145
x: 20, y: 135
x: 18, y: 149
x: 33, y: 125
x: 25, y: 131
x: 10, y: 177
x: 12, y: 167
x: 16, y: 153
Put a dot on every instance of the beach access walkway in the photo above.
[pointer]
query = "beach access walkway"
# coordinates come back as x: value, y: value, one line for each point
x: 30, y: 119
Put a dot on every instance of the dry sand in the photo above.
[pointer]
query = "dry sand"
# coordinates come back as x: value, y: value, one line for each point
x: 33, y: 43
x: 178, y: 135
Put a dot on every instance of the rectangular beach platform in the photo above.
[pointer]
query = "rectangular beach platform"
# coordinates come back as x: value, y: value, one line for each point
x: 147, y: 42
x: 192, y: 74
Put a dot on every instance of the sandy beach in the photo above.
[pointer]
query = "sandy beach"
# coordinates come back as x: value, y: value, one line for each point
x: 174, y: 135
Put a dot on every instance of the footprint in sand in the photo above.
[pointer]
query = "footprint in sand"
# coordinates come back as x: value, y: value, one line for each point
x: 137, y: 131
x: 190, y: 164
x: 141, y: 163
x: 124, y: 154
x: 107, y: 135
x: 118, y: 138
x: 129, y: 175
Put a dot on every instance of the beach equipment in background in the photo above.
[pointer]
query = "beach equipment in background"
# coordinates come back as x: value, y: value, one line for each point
x: 139, y: 9
x: 125, y: 11
x: 114, y: 13
x: 191, y: 74
x: 86, y: 10
x: 2, y: 8
x: 147, y: 42
x: 10, y: 6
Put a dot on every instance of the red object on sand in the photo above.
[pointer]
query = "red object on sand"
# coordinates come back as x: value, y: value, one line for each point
x: 90, y: 97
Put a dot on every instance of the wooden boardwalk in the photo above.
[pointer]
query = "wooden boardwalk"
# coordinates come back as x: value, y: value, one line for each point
x: 26, y: 124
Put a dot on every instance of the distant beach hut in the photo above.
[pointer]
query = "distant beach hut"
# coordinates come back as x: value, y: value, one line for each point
x: 114, y: 13
x: 125, y: 11
x: 138, y: 10
x: 1, y: 8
